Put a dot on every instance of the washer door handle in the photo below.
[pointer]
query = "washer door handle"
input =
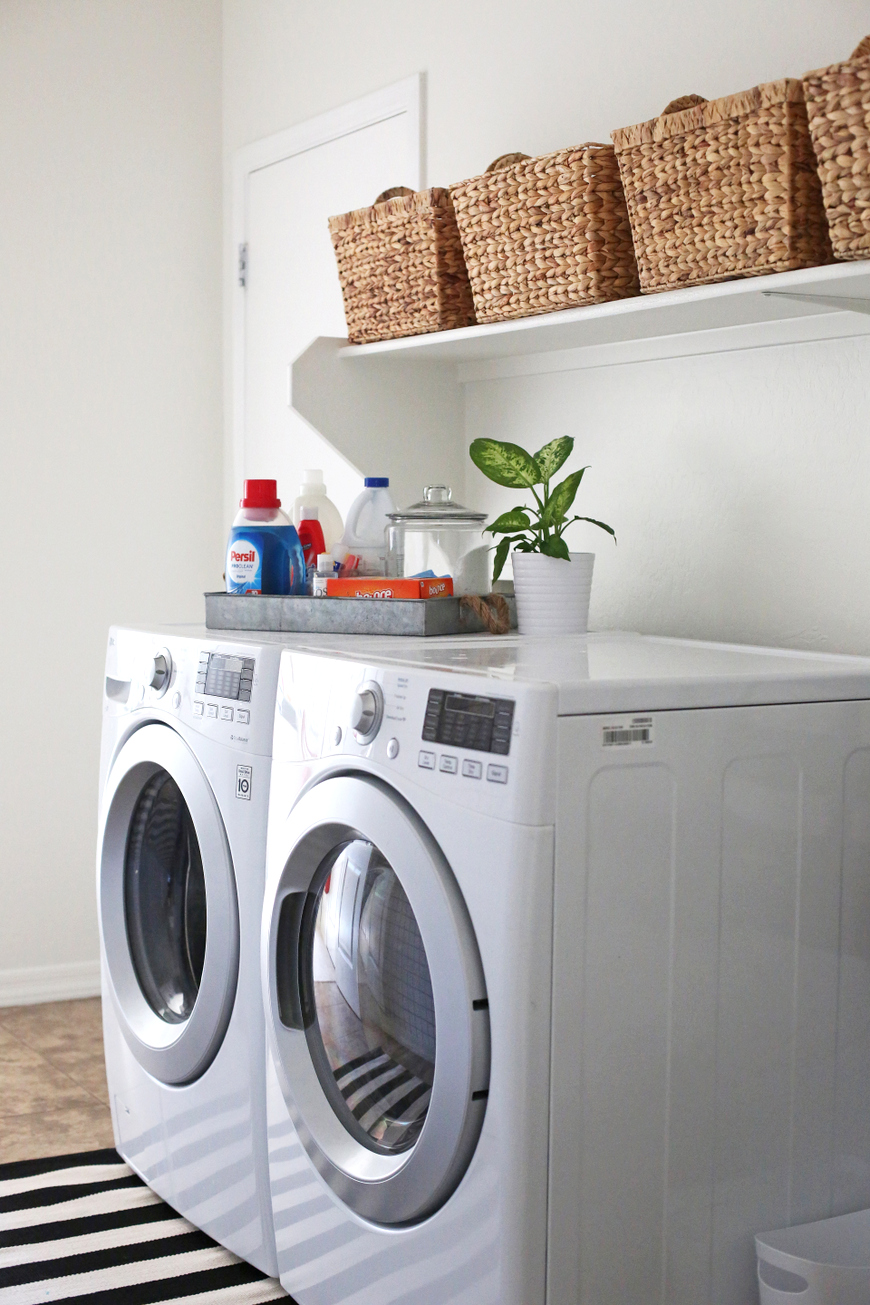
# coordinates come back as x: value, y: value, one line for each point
x: 291, y: 1006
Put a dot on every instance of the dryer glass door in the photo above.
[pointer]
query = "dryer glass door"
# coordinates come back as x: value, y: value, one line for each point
x: 376, y: 1000
x: 373, y: 1032
x: 164, y: 899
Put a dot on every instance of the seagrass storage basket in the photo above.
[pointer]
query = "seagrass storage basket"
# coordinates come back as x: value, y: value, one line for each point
x: 723, y: 188
x: 838, y: 105
x: 400, y: 266
x: 546, y: 233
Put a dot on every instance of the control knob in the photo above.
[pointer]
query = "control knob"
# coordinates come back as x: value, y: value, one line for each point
x: 160, y: 672
x: 367, y: 712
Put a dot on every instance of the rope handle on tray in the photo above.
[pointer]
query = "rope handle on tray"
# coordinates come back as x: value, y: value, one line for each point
x: 492, y: 610
x: 684, y: 102
x: 862, y: 49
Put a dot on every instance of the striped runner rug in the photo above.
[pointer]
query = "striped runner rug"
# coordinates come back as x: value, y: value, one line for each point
x: 85, y: 1228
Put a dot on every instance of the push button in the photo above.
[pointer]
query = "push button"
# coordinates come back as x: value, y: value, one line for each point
x: 393, y: 749
x: 497, y: 774
x: 211, y: 710
x: 472, y: 769
x: 197, y: 708
x: 226, y: 713
x: 426, y: 760
x: 243, y: 717
x: 449, y: 765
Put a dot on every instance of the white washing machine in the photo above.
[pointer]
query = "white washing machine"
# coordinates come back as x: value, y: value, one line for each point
x: 184, y: 783
x: 566, y: 966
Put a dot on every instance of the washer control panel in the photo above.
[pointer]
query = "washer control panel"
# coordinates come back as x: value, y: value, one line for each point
x: 222, y: 675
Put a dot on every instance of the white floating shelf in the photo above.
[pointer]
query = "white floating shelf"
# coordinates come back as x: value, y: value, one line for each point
x: 754, y: 312
x: 399, y: 402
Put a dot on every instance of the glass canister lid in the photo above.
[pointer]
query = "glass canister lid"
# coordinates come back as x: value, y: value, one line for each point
x: 437, y: 505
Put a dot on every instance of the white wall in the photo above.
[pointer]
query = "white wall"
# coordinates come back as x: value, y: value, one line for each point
x: 736, y: 484
x: 110, y: 413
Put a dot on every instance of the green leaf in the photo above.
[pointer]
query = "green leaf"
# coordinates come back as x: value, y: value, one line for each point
x: 516, y: 519
x: 500, y: 558
x: 603, y: 525
x: 558, y: 504
x: 506, y: 464
x: 555, y: 546
x: 552, y: 455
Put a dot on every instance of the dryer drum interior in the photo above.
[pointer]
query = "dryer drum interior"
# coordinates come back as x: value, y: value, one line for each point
x: 367, y: 1001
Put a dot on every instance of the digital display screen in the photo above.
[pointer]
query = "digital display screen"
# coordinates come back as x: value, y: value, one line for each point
x: 465, y: 720
x: 222, y: 676
x: 472, y: 706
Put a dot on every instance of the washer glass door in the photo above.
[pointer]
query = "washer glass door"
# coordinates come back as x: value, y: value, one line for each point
x: 168, y: 905
x: 165, y: 900
x: 373, y: 1033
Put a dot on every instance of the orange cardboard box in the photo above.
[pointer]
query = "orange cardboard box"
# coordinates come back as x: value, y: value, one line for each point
x: 381, y: 587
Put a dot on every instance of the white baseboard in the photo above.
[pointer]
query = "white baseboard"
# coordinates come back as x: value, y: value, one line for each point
x: 37, y: 983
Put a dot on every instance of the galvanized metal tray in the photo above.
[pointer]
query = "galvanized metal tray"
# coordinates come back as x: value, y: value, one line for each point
x: 303, y: 615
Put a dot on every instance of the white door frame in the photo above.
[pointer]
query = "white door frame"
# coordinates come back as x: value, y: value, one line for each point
x: 407, y: 98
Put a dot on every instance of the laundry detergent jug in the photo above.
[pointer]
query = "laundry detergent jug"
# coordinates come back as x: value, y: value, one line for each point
x: 264, y: 555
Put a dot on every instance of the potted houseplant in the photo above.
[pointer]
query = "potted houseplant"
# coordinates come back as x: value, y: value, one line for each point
x: 552, y: 585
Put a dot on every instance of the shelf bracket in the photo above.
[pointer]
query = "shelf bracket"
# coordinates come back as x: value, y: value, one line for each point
x: 843, y: 303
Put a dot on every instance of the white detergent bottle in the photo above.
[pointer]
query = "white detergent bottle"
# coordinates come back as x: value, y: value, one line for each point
x: 312, y: 494
x: 364, y: 532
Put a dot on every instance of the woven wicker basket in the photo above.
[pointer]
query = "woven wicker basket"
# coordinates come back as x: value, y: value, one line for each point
x: 400, y: 266
x: 723, y: 188
x: 546, y: 233
x: 838, y: 105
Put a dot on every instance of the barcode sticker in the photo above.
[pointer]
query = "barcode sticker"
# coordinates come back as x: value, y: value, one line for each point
x: 634, y: 733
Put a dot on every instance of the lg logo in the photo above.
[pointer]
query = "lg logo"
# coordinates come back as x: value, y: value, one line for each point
x: 243, y: 782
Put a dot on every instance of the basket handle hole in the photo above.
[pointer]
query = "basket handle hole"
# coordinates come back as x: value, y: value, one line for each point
x: 781, y: 1279
x: 394, y: 192
x: 506, y: 161
x: 684, y: 102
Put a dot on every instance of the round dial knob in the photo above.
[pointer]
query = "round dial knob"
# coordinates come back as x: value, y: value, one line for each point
x: 161, y: 670
x: 366, y: 712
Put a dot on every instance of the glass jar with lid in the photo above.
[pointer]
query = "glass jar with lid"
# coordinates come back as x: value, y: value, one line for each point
x: 439, y: 537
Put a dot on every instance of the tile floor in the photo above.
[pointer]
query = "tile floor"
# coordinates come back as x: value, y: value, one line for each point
x: 53, y: 1094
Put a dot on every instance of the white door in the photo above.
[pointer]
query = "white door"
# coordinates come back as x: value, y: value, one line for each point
x: 287, y: 188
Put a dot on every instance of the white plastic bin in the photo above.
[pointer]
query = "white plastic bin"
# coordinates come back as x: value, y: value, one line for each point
x: 824, y: 1263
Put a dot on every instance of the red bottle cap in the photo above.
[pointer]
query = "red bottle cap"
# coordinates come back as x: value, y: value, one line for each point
x: 261, y: 494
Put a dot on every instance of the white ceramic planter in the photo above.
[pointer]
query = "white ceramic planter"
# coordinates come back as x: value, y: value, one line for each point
x: 552, y: 594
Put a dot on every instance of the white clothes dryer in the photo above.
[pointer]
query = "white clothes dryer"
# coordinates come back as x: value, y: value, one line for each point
x: 184, y: 783
x: 566, y: 966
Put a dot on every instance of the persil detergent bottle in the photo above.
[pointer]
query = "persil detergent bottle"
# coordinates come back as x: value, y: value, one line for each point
x: 264, y: 555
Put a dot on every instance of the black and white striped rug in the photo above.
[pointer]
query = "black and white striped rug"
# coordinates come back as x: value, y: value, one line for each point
x: 85, y: 1228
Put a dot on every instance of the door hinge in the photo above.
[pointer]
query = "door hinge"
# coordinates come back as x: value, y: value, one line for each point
x: 243, y: 265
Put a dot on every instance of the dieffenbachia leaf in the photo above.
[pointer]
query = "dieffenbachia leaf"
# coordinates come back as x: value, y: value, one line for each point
x: 559, y: 503
x: 500, y: 558
x: 555, y: 546
x: 603, y: 525
x: 508, y: 522
x: 552, y: 455
x: 506, y: 464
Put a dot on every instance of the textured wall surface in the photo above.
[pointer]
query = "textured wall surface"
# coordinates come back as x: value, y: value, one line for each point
x: 110, y: 416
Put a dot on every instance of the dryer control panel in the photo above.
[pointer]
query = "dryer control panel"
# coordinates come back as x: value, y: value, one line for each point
x: 480, y: 742
x: 466, y: 720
